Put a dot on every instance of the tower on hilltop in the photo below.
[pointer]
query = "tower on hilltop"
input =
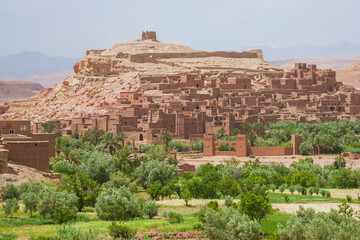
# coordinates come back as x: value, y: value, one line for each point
x: 148, y: 35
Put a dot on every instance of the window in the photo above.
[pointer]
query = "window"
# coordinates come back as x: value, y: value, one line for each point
x: 12, y: 131
x: 0, y: 132
x: 4, y: 126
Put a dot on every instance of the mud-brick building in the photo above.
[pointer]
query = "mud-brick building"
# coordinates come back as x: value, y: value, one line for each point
x: 18, y: 144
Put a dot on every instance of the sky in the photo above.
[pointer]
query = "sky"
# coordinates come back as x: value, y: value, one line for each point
x: 70, y: 27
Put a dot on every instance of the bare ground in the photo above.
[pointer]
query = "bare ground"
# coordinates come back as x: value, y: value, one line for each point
x: 19, y: 174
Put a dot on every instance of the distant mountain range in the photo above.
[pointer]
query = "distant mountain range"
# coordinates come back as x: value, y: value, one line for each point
x: 32, y: 63
x: 17, y: 90
x: 273, y: 53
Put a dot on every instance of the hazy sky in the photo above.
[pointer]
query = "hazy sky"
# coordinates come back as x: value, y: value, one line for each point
x: 69, y: 27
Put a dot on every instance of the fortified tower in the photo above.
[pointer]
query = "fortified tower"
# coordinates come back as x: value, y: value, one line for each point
x: 148, y: 36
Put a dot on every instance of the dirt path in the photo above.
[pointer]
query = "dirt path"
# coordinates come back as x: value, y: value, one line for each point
x: 291, y: 208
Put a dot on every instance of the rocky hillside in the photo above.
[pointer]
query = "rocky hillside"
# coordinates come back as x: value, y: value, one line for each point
x: 354, y: 67
x: 18, y: 90
x: 103, y: 74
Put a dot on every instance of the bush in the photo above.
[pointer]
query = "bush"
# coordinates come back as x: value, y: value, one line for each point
x: 119, y: 199
x: 98, y: 166
x: 230, y: 224
x: 252, y: 156
x: 198, y: 146
x: 286, y: 198
x: 120, y: 231
x: 173, y: 217
x: 311, y: 191
x: 150, y: 209
x: 65, y: 167
x: 316, y: 190
x: 9, y: 191
x: 10, y: 206
x: 50, y: 200
x: 228, y: 186
x: 186, y: 196
x: 322, y: 192
x: 327, y: 194
x: 63, y: 214
x: 343, y: 178
x: 225, y: 147
x: 119, y: 179
x: 348, y: 198
x: 299, y: 188
x: 228, y: 201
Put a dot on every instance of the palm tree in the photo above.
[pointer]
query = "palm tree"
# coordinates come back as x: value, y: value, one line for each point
x: 246, y: 126
x: 133, y: 141
x: 67, y: 153
x: 221, y: 132
x: 94, y: 135
x: 110, y: 142
x: 122, y: 136
x: 165, y: 137
x: 58, y: 145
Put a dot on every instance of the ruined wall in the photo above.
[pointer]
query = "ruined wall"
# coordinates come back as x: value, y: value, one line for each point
x: 270, y: 151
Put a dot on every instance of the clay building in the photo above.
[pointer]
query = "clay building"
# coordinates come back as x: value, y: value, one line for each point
x: 20, y: 145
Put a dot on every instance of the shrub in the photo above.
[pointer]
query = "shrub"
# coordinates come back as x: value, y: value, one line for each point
x: 339, y: 162
x: 10, y: 206
x: 150, y: 209
x: 348, y: 198
x: 50, y: 200
x: 198, y: 146
x: 30, y: 200
x: 343, y: 178
x: 225, y: 147
x: 67, y: 232
x: 304, y: 191
x: 9, y: 191
x: 286, y: 198
x: 252, y: 156
x: 273, y: 187
x: 311, y: 191
x: 98, y: 166
x: 173, y: 217
x: 119, y: 179
x: 282, y: 188
x: 228, y: 201
x: 63, y: 214
x: 120, y: 199
x: 322, y: 192
x: 292, y: 189
x: 230, y: 224
x: 120, y: 231
x: 327, y: 194
x: 316, y: 190
x: 65, y: 167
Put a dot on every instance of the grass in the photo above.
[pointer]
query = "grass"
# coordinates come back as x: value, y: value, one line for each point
x: 269, y: 224
x: 293, y: 198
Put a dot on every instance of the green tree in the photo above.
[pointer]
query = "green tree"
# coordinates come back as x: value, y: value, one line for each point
x: 339, y: 162
x: 228, y: 186
x: 75, y: 133
x: 254, y: 206
x: 112, y: 197
x: 186, y: 196
x: 306, y: 148
x: 84, y: 188
x: 10, y: 206
x: 111, y: 142
x: 30, y: 200
x: 304, y: 178
x: 9, y: 191
x: 2, y: 156
x: 98, y: 166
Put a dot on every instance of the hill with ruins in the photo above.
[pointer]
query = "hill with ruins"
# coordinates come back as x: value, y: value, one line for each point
x: 144, y: 86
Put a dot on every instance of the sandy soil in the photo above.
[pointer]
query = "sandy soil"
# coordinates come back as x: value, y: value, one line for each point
x: 322, y: 160
x: 291, y: 208
x: 19, y: 174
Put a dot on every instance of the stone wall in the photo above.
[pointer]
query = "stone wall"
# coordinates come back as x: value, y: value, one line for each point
x: 4, y: 159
